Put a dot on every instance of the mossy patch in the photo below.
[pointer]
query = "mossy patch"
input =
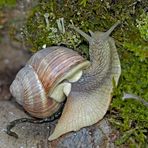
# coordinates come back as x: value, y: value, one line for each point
x: 130, y: 117
x: 7, y: 3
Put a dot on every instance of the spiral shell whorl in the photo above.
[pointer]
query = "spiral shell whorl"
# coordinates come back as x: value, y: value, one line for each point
x: 32, y: 94
x: 16, y: 90
x: 53, y: 63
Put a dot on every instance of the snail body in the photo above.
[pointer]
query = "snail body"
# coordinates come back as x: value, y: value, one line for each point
x: 88, y: 94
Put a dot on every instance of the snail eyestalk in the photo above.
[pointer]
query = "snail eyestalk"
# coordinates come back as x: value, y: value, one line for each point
x: 12, y: 124
x: 86, y: 36
x: 107, y: 33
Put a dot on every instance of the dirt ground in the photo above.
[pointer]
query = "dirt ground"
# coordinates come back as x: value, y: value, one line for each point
x: 13, y: 56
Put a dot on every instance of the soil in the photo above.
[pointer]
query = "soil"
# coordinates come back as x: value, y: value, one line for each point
x: 13, y: 56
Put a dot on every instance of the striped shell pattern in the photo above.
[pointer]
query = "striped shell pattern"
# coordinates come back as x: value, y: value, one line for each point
x: 48, y: 70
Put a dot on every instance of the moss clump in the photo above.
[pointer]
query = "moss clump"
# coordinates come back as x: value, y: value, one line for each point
x: 130, y: 117
x: 142, y: 24
x: 7, y: 3
x: 137, y: 38
x: 48, y: 33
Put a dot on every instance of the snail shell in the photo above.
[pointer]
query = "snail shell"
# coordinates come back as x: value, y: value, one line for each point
x: 40, y: 87
x: 46, y: 79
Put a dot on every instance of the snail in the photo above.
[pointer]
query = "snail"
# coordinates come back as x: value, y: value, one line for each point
x: 56, y: 74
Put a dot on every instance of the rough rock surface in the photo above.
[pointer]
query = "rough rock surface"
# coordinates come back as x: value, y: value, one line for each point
x: 36, y: 135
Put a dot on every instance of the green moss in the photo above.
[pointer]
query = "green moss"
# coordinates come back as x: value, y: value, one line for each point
x: 137, y: 37
x: 130, y: 117
x: 7, y: 3
x: 83, y: 2
x: 142, y: 24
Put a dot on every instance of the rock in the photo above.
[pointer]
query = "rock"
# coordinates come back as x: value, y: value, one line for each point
x: 36, y: 135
